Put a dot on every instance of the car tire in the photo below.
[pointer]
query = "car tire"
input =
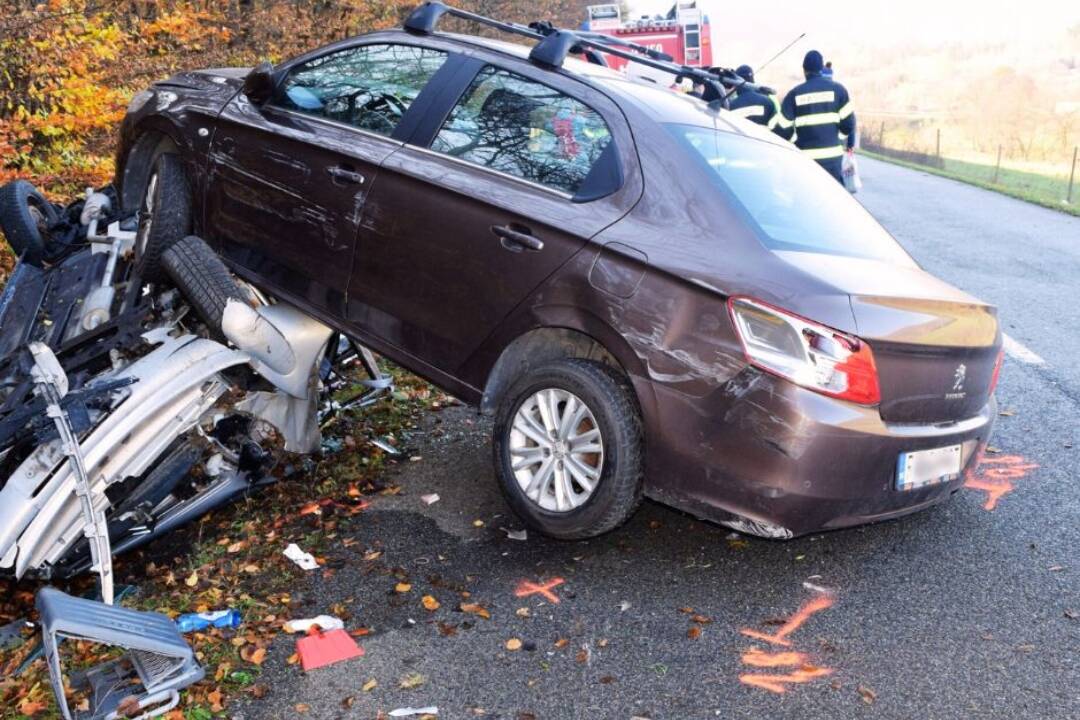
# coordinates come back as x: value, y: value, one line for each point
x: 610, y: 408
x: 24, y: 216
x: 203, y: 279
x: 164, y: 216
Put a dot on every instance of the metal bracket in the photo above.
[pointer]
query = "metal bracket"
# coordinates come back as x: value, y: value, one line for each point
x: 52, y: 383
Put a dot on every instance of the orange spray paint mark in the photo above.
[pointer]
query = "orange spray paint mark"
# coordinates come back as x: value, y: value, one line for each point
x: 821, y: 602
x: 526, y: 588
x: 760, y: 658
x: 994, y: 475
x: 778, y: 683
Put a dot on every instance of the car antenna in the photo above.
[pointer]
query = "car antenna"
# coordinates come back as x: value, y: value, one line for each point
x: 782, y: 51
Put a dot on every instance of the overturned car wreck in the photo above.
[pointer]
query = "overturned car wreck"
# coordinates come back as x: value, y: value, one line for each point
x: 128, y: 407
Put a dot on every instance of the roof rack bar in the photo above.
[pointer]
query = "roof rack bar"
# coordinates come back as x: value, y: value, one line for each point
x: 556, y: 43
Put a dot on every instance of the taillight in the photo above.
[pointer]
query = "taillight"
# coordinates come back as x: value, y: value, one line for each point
x: 997, y: 370
x: 807, y: 354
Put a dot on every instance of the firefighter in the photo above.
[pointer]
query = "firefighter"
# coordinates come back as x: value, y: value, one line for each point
x: 817, y: 113
x: 751, y: 104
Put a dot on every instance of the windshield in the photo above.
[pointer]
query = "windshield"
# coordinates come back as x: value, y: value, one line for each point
x: 790, y: 201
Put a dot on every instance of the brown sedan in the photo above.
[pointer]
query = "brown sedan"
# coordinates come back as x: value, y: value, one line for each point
x: 651, y: 296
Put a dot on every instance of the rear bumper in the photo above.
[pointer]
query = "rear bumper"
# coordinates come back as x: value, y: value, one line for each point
x: 770, y: 458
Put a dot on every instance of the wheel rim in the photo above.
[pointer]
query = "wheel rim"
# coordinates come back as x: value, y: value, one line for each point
x: 556, y: 450
x: 146, y: 217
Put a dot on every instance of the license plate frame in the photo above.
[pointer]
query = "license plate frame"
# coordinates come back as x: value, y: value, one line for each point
x: 923, y: 468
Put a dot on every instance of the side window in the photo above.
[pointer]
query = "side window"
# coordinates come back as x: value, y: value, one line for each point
x: 369, y: 87
x: 522, y: 128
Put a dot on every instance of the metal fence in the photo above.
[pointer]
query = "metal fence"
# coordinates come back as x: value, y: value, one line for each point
x: 937, y: 147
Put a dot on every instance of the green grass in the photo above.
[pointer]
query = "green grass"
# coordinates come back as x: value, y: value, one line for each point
x: 1045, y: 190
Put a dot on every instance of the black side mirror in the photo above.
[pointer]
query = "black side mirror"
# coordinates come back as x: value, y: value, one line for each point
x: 259, y: 83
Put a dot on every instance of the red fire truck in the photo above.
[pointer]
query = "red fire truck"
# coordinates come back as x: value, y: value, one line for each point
x: 683, y: 33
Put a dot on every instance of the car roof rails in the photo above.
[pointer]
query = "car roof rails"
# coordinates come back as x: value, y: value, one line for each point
x: 554, y: 44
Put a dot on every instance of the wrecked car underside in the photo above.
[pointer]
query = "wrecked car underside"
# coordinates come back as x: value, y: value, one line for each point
x: 130, y: 408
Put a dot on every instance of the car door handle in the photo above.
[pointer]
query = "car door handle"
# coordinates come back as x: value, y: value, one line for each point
x: 516, y: 238
x: 345, y: 175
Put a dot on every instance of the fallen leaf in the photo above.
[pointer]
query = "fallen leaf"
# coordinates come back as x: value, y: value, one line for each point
x: 214, y: 697
x: 30, y: 707
x: 447, y: 629
x: 412, y: 680
x: 348, y: 702
x: 192, y: 580
x: 607, y: 680
x: 293, y: 659
x: 370, y: 685
x: 582, y: 655
x: 562, y: 642
x: 430, y: 603
x: 236, y: 547
x: 302, y: 707
x: 403, y: 587
x: 868, y: 695
x: 694, y: 632
x: 312, y: 508
x: 258, y: 656
x: 1071, y: 614
x: 476, y: 609
x: 522, y: 612
x: 701, y: 619
x: 513, y: 644
x: 478, y: 523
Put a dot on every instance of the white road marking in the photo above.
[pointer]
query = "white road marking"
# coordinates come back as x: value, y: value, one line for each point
x: 1021, y: 352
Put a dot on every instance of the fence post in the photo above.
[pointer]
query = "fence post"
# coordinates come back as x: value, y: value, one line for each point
x: 881, y: 135
x: 1072, y: 176
x: 997, y: 167
x: 939, y: 143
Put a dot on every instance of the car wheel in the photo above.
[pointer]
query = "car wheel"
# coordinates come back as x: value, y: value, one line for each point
x: 164, y: 217
x: 568, y: 449
x: 25, y: 218
x: 203, y: 280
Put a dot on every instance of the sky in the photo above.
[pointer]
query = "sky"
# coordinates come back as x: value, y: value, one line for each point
x: 752, y: 31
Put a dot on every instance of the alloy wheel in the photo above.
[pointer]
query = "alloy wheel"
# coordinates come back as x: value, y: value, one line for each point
x: 556, y: 450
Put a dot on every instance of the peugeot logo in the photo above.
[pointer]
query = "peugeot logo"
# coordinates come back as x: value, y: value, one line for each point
x: 959, y: 375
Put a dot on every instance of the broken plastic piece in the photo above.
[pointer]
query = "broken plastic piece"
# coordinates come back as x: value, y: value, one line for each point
x: 305, y: 560
x: 430, y: 499
x: 407, y: 711
x: 304, y: 625
x: 325, y: 648
x: 145, y: 681
x: 515, y: 534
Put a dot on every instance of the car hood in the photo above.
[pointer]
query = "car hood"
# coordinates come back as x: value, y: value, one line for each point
x: 209, y: 89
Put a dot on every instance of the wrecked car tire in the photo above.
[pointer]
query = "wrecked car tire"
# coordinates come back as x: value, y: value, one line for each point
x: 164, y: 217
x: 568, y: 449
x: 25, y: 218
x: 202, y: 278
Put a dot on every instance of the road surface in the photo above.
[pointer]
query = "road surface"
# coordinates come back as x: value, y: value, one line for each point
x: 958, y: 612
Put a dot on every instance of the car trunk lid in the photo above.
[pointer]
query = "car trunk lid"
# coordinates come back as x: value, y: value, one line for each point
x: 935, y: 347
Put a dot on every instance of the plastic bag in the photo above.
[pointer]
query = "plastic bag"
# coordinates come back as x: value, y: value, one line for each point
x: 850, y: 171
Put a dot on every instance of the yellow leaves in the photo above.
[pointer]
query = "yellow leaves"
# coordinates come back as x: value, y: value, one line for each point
x: 430, y: 603
x: 192, y: 580
x: 476, y: 609
x: 370, y: 685
x: 513, y: 644
x: 402, y: 587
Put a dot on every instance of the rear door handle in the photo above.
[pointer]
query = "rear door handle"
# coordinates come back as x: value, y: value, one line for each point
x: 345, y: 176
x: 516, y: 238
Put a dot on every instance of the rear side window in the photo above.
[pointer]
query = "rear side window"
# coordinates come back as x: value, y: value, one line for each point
x: 523, y: 128
x: 787, y: 198
x: 369, y: 87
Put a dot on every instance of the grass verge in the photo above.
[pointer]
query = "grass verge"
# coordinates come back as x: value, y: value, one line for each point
x: 1043, y: 190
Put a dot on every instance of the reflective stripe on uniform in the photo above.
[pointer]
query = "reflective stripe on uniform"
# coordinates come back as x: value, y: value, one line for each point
x: 845, y: 111
x: 773, y: 120
x: 750, y: 111
x: 817, y: 119
x: 782, y: 120
x: 824, y: 153
x: 823, y: 96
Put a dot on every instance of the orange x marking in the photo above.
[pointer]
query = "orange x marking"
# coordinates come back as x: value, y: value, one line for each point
x: 793, y: 623
x: 996, y: 481
x: 526, y: 588
x: 776, y: 683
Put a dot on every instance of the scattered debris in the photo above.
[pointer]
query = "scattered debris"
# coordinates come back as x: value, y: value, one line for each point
x: 411, y: 680
x: 200, y: 621
x: 513, y: 644
x: 408, y: 711
x: 385, y: 446
x: 515, y: 534
x: 868, y: 695
x: 319, y: 649
x: 305, y: 560
x: 430, y: 499
x: 324, y: 622
x: 430, y: 603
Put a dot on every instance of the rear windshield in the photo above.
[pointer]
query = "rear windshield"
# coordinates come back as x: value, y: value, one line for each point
x: 790, y: 201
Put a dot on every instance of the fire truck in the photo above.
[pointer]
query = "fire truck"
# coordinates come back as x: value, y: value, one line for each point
x: 683, y: 33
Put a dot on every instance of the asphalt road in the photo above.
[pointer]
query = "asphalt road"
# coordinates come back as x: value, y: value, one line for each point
x: 958, y: 612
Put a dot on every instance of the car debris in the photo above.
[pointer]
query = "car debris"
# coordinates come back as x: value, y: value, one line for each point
x: 304, y: 625
x: 410, y: 711
x: 144, y: 682
x: 319, y: 649
x: 191, y: 622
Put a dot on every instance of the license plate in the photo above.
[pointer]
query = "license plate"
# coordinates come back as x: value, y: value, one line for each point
x: 927, y: 467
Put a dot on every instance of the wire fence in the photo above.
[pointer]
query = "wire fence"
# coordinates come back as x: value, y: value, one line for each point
x: 1048, y: 180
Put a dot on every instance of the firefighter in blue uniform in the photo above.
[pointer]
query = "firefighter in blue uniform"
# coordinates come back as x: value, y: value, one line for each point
x: 818, y: 113
x: 753, y: 105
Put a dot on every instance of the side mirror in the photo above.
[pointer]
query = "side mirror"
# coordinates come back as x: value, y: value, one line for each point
x: 259, y: 83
